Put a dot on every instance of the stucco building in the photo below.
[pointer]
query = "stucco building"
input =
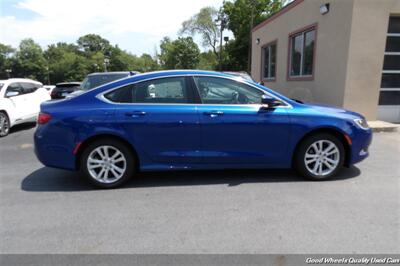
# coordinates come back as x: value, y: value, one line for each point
x: 341, y: 52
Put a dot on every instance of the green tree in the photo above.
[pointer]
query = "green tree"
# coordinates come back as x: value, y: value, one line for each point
x: 242, y: 16
x: 30, y: 61
x: 93, y: 43
x: 148, y: 63
x: 6, y: 53
x: 208, y: 61
x: 204, y: 23
x: 182, y: 53
x: 65, y: 63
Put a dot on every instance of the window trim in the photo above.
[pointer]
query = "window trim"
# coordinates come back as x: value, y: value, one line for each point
x: 269, y: 44
x: 301, y: 31
x: 100, y: 96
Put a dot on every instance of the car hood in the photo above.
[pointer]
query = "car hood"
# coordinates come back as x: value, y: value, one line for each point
x: 334, y: 110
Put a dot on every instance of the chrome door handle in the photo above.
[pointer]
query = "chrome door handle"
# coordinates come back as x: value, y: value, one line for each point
x: 135, y: 113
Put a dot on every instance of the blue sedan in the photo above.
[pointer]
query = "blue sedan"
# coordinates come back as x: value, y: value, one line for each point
x: 179, y: 120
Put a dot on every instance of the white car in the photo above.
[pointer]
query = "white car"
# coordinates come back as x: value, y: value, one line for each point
x: 20, y: 101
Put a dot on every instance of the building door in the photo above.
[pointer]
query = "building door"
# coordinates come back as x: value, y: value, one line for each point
x: 389, y: 97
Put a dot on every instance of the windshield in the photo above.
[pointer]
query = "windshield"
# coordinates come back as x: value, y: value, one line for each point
x: 94, y: 81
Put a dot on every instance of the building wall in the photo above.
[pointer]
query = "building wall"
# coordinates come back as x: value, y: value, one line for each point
x: 366, y: 54
x: 332, y: 42
x: 350, y: 47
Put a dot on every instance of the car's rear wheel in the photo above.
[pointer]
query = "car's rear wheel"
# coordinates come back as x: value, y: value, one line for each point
x: 4, y: 124
x: 319, y: 157
x: 107, y: 163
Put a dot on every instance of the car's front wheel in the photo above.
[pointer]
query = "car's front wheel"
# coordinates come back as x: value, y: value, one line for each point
x: 107, y: 163
x: 4, y: 124
x: 319, y: 156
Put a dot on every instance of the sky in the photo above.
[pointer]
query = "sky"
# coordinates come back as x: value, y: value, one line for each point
x: 135, y: 25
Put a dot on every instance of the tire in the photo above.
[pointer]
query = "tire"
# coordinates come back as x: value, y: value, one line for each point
x: 315, y: 163
x: 109, y: 171
x: 4, y: 124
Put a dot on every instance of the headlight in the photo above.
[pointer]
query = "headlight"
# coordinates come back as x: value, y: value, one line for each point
x: 362, y: 123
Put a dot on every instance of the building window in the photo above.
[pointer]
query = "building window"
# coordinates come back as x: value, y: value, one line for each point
x: 269, y: 61
x: 390, y: 82
x: 301, y: 49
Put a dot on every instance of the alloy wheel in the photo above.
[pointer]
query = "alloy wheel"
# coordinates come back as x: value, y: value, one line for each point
x: 106, y: 164
x: 4, y: 125
x: 322, y: 158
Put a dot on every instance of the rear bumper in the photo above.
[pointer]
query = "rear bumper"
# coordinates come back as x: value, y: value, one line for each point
x: 53, y: 154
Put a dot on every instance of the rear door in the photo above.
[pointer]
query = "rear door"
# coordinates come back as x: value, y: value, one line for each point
x: 161, y: 120
x: 33, y: 98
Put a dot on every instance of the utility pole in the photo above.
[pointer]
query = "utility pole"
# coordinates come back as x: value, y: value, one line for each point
x: 222, y: 23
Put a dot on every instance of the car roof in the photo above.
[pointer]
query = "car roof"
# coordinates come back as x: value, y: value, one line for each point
x: 19, y: 80
x: 113, y: 73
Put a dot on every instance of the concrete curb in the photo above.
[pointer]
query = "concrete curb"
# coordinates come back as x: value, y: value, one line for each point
x: 382, y: 126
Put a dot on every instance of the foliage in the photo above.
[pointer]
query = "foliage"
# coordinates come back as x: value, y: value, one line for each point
x: 204, y: 23
x: 29, y: 60
x: 182, y: 53
x: 6, y: 52
x: 92, y: 53
x: 69, y: 62
x: 239, y: 14
x: 208, y: 61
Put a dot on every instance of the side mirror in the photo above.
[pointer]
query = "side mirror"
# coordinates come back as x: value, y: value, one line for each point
x: 11, y: 93
x: 269, y: 101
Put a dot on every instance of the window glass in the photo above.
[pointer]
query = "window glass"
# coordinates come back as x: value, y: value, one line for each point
x: 214, y: 90
x: 266, y: 62
x: 28, y: 87
x: 389, y: 98
x: 394, y: 25
x: 273, y: 61
x: 93, y: 81
x: 308, y: 52
x: 121, y: 95
x: 166, y: 90
x: 390, y: 80
x: 296, y: 55
x: 302, y: 54
x: 14, y: 87
x: 391, y: 62
x: 392, y: 44
x: 269, y: 61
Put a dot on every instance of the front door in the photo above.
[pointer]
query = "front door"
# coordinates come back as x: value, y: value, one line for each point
x: 161, y: 120
x: 235, y: 129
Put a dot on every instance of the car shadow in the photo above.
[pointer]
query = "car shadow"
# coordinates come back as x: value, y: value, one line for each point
x: 22, y: 127
x: 49, y: 179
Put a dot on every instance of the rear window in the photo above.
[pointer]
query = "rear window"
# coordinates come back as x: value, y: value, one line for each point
x: 94, y: 81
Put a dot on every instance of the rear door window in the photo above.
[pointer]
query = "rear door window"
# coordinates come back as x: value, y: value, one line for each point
x: 29, y: 87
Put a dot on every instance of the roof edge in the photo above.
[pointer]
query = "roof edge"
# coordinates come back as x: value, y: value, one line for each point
x: 277, y: 14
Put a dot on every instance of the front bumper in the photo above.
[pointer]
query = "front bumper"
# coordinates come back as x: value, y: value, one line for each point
x: 361, y: 141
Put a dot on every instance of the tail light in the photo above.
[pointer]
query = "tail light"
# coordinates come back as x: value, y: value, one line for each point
x: 43, y: 118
